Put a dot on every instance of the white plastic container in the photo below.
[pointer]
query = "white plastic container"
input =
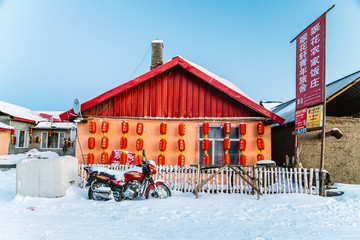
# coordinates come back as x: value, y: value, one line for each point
x: 48, y: 178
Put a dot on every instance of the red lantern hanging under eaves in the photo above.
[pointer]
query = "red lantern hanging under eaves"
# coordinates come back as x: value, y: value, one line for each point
x: 205, y: 128
x: 182, y: 129
x: 125, y: 127
x: 140, y: 128
x: 260, y: 128
x: 227, y: 128
x: 105, y: 127
x: 163, y: 128
x: 92, y: 127
x: 242, y: 128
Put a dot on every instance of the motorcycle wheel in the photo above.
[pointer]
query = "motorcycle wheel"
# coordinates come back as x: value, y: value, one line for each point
x: 164, y: 192
x: 94, y: 196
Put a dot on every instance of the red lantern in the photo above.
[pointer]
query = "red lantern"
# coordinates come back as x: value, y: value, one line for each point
x: 123, y: 158
x: 12, y: 132
x: 226, y: 159
x: 125, y: 127
x: 227, y: 128
x: 162, y: 145
x: 49, y: 133
x: 181, y: 160
x: 139, y: 144
x: 226, y: 143
x: 260, y: 143
x: 161, y: 159
x: 104, y: 142
x: 91, y: 143
x: 104, y: 158
x: 205, y: 144
x: 163, y: 128
x: 138, y: 160
x: 71, y: 144
x: 242, y: 128
x: 92, y: 127
x: 90, y: 159
x: 260, y: 157
x: 205, y: 128
x: 105, y: 127
x: 206, y: 159
x: 182, y: 129
x: 30, y: 131
x: 260, y: 128
x: 140, y: 128
x: 181, y: 145
x: 243, y: 160
x: 242, y: 144
x: 123, y: 143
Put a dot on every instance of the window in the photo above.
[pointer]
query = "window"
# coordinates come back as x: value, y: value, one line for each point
x: 216, y: 150
x: 22, y: 138
x: 56, y: 140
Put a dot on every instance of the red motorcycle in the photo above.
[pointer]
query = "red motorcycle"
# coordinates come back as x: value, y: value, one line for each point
x: 105, y: 184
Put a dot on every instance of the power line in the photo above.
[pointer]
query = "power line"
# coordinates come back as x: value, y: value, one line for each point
x: 147, y: 51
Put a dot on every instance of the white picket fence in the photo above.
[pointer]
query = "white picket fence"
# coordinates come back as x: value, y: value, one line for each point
x: 268, y: 180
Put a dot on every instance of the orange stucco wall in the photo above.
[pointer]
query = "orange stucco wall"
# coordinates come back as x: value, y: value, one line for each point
x: 152, y: 137
x: 4, y: 142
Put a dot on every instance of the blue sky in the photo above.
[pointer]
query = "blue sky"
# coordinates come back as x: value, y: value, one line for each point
x: 52, y: 52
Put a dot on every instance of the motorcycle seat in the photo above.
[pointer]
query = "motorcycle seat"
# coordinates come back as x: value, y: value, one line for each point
x: 107, y: 175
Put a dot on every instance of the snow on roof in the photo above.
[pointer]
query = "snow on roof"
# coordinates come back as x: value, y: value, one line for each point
x: 5, y: 126
x: 270, y: 104
x: 157, y: 41
x: 19, y: 112
x: 50, y: 114
x: 219, y: 79
x: 57, y: 125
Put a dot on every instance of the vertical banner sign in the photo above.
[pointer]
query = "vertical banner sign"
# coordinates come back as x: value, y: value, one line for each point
x: 310, y: 65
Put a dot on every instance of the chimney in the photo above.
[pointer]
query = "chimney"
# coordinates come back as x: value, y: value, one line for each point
x: 156, y: 53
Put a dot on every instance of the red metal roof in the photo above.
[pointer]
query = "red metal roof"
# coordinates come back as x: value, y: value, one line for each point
x: 178, y: 88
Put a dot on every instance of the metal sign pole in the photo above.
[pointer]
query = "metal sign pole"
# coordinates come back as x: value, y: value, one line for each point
x: 322, y: 159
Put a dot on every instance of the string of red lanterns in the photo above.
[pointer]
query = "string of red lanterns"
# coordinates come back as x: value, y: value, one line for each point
x: 260, y: 141
x: 30, y: 135
x: 226, y: 143
x: 13, y: 138
x: 181, y: 145
x: 162, y: 144
x: 242, y: 144
x: 91, y: 142
x: 206, y: 143
x: 123, y: 142
x: 139, y: 142
x: 104, y: 142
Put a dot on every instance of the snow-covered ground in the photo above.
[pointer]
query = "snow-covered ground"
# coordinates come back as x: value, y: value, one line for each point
x: 212, y: 216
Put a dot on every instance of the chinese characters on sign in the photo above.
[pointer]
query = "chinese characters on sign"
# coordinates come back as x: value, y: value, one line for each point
x: 300, y: 121
x: 314, y: 117
x: 310, y: 65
